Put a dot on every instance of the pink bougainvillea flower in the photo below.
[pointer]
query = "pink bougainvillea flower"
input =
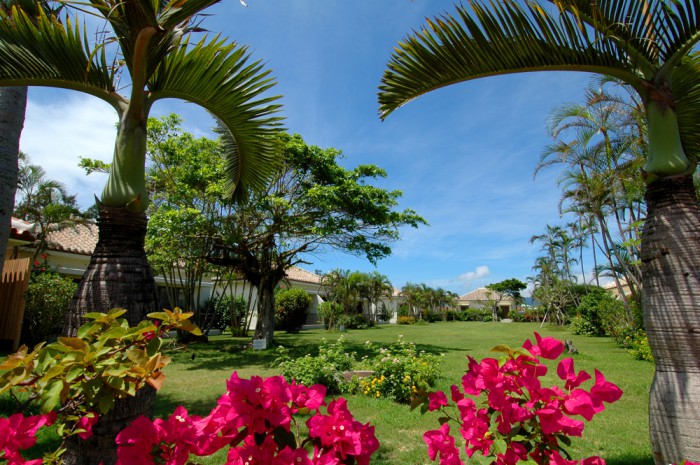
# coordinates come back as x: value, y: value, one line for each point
x: 556, y: 459
x: 18, y: 432
x: 86, y: 423
x: 566, y: 372
x: 605, y: 390
x: 554, y: 421
x: 135, y: 443
x: 583, y: 403
x: 595, y: 460
x: 545, y: 347
x: 311, y: 398
x: 436, y: 400
x: 441, y: 442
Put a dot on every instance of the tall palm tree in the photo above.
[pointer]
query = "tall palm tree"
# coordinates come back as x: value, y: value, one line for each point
x: 154, y: 41
x: 647, y: 44
x: 158, y: 60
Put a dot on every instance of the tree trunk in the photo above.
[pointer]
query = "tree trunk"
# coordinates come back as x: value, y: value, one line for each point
x: 13, y: 102
x: 265, y: 327
x: 671, y: 302
x: 100, y: 448
x: 118, y: 276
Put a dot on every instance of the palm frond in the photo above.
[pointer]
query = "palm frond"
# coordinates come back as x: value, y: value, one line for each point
x: 500, y: 39
x: 41, y: 51
x: 221, y: 78
x: 685, y: 84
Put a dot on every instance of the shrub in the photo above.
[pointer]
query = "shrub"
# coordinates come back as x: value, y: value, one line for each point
x: 431, y: 317
x: 329, y: 312
x: 589, y: 322
x: 326, y: 368
x: 292, y: 309
x: 516, y: 316
x: 582, y: 327
x: 474, y: 314
x: 359, y: 321
x: 406, y: 320
x: 384, y: 313
x: 508, y: 417
x: 400, y: 372
x: 46, y: 305
x: 452, y: 315
x: 639, y: 346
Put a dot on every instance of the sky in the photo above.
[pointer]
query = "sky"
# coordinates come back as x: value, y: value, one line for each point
x: 463, y: 156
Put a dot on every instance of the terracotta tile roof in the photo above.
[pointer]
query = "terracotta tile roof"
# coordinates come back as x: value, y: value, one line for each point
x: 80, y: 239
x: 481, y: 294
x: 297, y: 274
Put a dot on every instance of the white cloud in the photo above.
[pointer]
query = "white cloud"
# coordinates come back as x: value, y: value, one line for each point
x: 59, y: 128
x: 480, y: 272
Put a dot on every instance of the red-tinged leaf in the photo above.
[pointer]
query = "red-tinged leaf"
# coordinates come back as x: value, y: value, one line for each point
x: 157, y: 380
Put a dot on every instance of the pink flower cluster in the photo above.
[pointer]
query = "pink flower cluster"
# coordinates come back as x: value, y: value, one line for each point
x: 254, y: 418
x: 17, y: 433
x: 511, y: 416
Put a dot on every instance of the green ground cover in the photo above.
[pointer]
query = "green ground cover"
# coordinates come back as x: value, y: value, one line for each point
x: 197, y: 376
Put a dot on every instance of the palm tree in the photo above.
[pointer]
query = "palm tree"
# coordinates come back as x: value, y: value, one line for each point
x: 647, y: 44
x: 159, y: 60
x: 155, y: 49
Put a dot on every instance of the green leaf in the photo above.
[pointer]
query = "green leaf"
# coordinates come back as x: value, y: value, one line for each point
x: 284, y: 438
x: 500, y: 446
x: 51, y: 395
x: 502, y: 348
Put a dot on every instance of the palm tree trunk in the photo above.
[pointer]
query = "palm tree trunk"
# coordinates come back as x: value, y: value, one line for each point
x: 13, y: 102
x: 671, y: 302
x: 118, y: 276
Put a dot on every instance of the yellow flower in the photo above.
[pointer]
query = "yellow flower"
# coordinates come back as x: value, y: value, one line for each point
x: 378, y: 394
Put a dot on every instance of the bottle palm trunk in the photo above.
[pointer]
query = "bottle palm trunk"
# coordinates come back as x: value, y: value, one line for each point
x: 671, y: 293
x: 118, y: 276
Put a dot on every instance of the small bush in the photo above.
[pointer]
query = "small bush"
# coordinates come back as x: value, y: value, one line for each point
x: 326, y: 368
x: 292, y: 309
x: 406, y: 320
x: 400, y: 372
x: 639, y: 346
x: 329, y: 312
x: 452, y: 315
x: 474, y: 314
x: 516, y: 316
x: 582, y: 327
x: 431, y: 317
x: 46, y: 305
x: 359, y: 322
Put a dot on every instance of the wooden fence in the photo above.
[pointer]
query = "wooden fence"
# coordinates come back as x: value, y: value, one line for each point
x: 14, y: 282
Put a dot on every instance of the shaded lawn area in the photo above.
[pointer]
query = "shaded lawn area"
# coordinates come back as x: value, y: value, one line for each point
x: 197, y: 377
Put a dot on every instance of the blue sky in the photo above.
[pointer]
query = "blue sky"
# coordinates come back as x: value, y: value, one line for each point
x: 463, y: 156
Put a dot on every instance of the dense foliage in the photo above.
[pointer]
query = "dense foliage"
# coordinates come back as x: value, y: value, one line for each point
x: 292, y: 309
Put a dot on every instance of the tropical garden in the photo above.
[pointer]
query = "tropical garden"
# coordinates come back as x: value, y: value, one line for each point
x: 261, y: 198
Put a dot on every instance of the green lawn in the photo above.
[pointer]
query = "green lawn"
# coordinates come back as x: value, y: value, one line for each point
x: 197, y: 376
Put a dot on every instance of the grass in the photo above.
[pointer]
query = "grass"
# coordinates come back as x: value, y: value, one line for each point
x: 197, y: 376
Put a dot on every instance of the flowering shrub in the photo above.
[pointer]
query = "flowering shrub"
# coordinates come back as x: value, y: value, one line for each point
x: 326, y: 368
x: 638, y: 345
x: 507, y: 416
x: 400, y: 372
x: 256, y: 420
x: 76, y: 378
x: 406, y: 320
